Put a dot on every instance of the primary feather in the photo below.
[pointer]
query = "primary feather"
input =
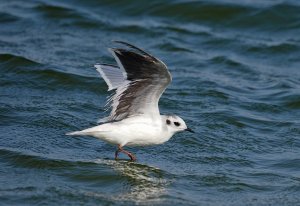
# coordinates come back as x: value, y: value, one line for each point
x: 111, y: 74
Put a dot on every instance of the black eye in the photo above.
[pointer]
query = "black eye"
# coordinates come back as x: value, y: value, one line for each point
x: 177, y: 124
x: 168, y: 121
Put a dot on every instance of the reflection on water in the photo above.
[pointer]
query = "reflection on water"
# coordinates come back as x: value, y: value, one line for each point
x: 144, y: 183
x: 124, y: 181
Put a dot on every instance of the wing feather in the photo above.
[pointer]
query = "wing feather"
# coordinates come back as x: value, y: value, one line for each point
x: 146, y: 78
x: 111, y: 74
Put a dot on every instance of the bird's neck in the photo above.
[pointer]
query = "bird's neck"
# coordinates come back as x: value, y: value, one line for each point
x: 167, y: 132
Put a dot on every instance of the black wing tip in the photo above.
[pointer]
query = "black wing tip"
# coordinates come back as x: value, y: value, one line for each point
x: 133, y: 47
x: 105, y: 64
x: 120, y: 42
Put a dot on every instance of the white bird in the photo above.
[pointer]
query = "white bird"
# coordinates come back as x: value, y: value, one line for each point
x: 135, y: 120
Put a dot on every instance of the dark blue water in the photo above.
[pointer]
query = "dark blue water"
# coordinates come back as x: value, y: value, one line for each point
x: 236, y: 82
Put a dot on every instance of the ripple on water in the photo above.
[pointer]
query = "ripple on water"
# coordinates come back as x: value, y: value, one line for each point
x: 6, y: 17
x: 119, y: 180
x: 235, y: 82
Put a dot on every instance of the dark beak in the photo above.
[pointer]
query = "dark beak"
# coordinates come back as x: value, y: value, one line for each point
x: 189, y: 130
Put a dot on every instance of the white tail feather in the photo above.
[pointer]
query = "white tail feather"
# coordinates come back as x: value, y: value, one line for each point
x: 76, y: 133
x: 89, y: 131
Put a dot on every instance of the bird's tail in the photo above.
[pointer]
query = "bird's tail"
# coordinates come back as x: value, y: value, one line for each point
x: 93, y: 131
x: 88, y: 132
x: 83, y: 132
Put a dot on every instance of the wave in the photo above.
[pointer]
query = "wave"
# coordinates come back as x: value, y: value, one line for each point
x: 274, y: 49
x: 8, y: 18
x: 235, y: 81
x: 200, y: 11
x: 33, y: 160
x: 68, y: 16
x: 9, y: 60
x: 218, y: 13
x: 36, y: 75
x: 143, y: 182
x: 57, y: 12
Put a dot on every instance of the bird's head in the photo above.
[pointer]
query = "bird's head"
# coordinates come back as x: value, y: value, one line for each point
x: 176, y: 124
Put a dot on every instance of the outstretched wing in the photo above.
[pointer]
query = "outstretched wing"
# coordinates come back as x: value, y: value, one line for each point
x: 139, y: 83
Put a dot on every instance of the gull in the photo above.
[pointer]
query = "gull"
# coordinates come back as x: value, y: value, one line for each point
x: 139, y: 79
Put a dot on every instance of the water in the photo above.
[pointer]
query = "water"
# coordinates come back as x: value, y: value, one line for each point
x: 236, y: 80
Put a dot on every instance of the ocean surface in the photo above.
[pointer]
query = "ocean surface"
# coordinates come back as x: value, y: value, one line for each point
x: 236, y: 82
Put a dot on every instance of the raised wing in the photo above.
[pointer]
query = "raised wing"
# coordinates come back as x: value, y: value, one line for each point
x: 144, y: 80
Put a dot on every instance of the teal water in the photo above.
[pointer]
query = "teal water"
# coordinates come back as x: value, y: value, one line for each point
x: 236, y: 82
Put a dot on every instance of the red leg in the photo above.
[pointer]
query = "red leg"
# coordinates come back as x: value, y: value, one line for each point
x: 117, y: 153
x: 120, y: 149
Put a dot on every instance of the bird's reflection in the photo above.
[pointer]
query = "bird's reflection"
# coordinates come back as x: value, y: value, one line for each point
x: 144, y: 183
